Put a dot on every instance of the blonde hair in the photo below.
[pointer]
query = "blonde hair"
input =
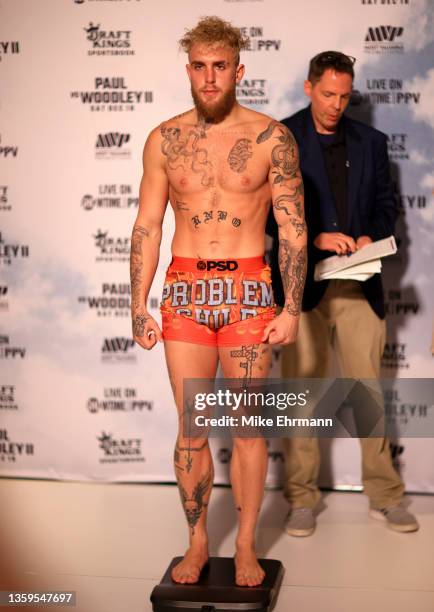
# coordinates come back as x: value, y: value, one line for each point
x: 215, y: 31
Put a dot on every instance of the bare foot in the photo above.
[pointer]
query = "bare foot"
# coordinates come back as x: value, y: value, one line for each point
x: 188, y: 570
x: 248, y: 572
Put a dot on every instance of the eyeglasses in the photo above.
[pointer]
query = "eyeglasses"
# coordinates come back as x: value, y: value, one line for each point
x: 334, y: 57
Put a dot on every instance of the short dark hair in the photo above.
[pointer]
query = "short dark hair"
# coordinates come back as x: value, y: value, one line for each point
x: 326, y: 60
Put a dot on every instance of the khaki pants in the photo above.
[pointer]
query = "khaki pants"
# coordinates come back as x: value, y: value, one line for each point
x: 345, y: 321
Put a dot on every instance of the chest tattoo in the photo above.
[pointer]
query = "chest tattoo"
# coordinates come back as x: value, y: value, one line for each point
x: 239, y: 154
x: 183, y: 150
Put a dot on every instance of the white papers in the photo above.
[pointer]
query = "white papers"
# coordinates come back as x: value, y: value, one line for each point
x: 360, y: 265
x: 360, y: 272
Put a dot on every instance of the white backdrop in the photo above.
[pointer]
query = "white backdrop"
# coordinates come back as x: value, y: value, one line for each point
x: 83, y: 82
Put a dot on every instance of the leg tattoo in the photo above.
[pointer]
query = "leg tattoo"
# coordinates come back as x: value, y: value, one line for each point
x: 250, y: 354
x: 195, y: 504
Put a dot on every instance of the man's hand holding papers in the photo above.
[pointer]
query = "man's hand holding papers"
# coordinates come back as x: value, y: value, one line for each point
x: 357, y: 265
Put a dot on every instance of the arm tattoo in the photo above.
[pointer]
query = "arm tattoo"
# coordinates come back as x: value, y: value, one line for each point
x: 297, y: 221
x: 182, y: 150
x: 286, y: 172
x: 284, y: 202
x: 239, y: 154
x: 139, y: 233
x: 139, y: 321
x: 284, y: 158
x: 292, y: 263
x: 299, y: 226
x: 136, y: 264
x: 266, y: 134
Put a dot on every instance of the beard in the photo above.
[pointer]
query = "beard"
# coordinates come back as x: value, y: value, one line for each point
x: 214, y: 113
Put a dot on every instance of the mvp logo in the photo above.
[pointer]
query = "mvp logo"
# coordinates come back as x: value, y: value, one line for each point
x: 383, y: 33
x: 219, y: 266
x: 112, y: 139
x: 115, y: 345
x: 6, y: 151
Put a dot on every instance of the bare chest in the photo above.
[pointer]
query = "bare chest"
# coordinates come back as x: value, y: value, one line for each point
x: 198, y: 160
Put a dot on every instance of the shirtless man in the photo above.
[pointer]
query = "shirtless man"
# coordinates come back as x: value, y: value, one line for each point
x: 221, y: 166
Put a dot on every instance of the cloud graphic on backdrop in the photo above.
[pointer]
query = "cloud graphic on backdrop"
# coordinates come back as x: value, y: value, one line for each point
x: 419, y: 29
x: 49, y: 317
x: 419, y: 159
x: 424, y: 111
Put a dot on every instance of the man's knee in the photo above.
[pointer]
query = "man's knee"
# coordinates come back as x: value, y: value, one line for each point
x: 247, y: 445
x: 192, y: 444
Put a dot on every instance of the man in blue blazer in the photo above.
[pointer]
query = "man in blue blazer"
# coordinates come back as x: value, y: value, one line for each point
x: 349, y: 203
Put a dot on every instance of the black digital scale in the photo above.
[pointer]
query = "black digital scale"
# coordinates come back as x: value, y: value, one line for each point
x: 216, y: 589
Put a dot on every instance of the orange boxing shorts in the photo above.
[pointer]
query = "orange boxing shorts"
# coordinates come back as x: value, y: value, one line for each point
x: 217, y: 302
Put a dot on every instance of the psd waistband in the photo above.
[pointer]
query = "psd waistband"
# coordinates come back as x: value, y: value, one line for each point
x: 191, y: 264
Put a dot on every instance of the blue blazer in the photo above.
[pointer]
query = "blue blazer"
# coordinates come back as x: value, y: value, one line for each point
x: 372, y: 208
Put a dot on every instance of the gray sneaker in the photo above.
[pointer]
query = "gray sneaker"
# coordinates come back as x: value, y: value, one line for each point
x: 300, y: 522
x: 397, y: 517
